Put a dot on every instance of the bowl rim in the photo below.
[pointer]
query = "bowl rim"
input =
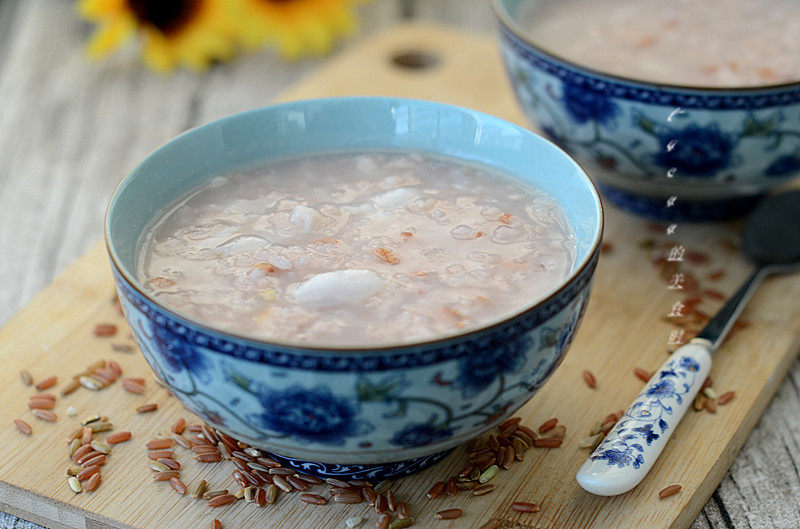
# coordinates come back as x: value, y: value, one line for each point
x: 505, y: 18
x: 133, y: 283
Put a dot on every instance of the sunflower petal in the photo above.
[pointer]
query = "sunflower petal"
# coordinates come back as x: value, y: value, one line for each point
x: 97, y: 9
x: 110, y: 36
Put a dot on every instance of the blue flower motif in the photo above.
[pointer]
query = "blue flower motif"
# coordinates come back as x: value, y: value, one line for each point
x: 695, y: 150
x: 621, y: 458
x: 689, y: 363
x: 584, y: 104
x: 662, y: 389
x: 481, y: 367
x: 647, y: 432
x: 419, y: 434
x: 789, y: 163
x: 178, y: 353
x: 313, y: 415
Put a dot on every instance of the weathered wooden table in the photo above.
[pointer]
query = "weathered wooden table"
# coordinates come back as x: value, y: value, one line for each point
x: 69, y: 130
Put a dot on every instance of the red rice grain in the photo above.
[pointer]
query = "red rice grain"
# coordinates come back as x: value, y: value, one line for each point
x: 449, y: 514
x: 524, y: 506
x: 669, y: 491
x: 23, y: 426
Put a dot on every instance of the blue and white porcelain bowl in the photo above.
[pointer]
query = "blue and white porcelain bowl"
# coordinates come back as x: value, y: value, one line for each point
x: 714, y: 150
x: 353, y: 413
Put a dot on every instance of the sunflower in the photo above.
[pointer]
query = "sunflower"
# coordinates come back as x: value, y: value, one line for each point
x: 297, y: 27
x: 190, y: 33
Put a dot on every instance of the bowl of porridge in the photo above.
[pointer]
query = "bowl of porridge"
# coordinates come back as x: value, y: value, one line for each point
x: 679, y: 110
x: 357, y: 285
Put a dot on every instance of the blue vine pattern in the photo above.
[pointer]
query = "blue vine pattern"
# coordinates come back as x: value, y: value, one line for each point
x: 648, y: 412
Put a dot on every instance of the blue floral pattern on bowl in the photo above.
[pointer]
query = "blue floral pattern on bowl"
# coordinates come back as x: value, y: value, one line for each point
x: 649, y: 411
x: 704, y: 146
x: 327, y: 400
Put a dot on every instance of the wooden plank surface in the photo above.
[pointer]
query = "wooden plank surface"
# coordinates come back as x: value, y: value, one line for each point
x: 69, y: 130
x: 623, y: 328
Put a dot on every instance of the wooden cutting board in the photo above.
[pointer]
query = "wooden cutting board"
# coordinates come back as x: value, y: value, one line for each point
x: 623, y: 328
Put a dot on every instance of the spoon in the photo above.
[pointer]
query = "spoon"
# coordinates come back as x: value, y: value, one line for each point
x: 771, y: 240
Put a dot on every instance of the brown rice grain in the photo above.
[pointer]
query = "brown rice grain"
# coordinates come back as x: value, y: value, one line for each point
x: 708, y: 404
x: 381, y: 504
x: 297, y: 483
x: 178, y: 485
x: 216, y: 524
x: 208, y: 458
x: 86, y: 457
x: 451, y: 489
x: 347, y: 497
x: 26, y: 377
x: 46, y: 383
x: 100, y: 426
x: 41, y: 404
x: 165, y: 475
x: 101, y: 446
x: 147, y: 408
x: 179, y: 426
x: 81, y: 451
x: 370, y: 496
x: 223, y: 499
x: 281, y: 483
x: 260, y: 497
x: 401, y: 523
x: 118, y: 437
x: 214, y: 493
x: 669, y: 491
x: 560, y: 431
x: 402, y: 510
x: 87, y: 472
x: 158, y: 466
x: 132, y: 387
x: 200, y: 489
x: 548, y: 425
x: 491, y: 524
x: 334, y: 482
x: 483, y: 489
x: 449, y: 514
x: 272, y: 493
x: 45, y: 415
x: 313, y: 499
x: 181, y: 441
x: 590, y: 380
x: 436, y: 490
x: 73, y: 447
x: 524, y: 506
x: 98, y: 460
x: 23, y: 426
x: 86, y: 435
x: 383, y: 486
x: 161, y: 454
x: 383, y: 521
x: 169, y: 463
x: 642, y: 374
x: 93, y: 482
x: 115, y: 367
x: 70, y: 387
x: 726, y: 397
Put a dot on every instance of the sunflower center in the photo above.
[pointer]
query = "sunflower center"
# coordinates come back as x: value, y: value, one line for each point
x: 166, y: 16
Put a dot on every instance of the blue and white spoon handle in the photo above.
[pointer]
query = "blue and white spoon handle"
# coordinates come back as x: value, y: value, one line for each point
x: 626, y: 454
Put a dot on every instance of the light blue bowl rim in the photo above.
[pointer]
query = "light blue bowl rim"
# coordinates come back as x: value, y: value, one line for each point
x: 500, y: 8
x: 578, y: 271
